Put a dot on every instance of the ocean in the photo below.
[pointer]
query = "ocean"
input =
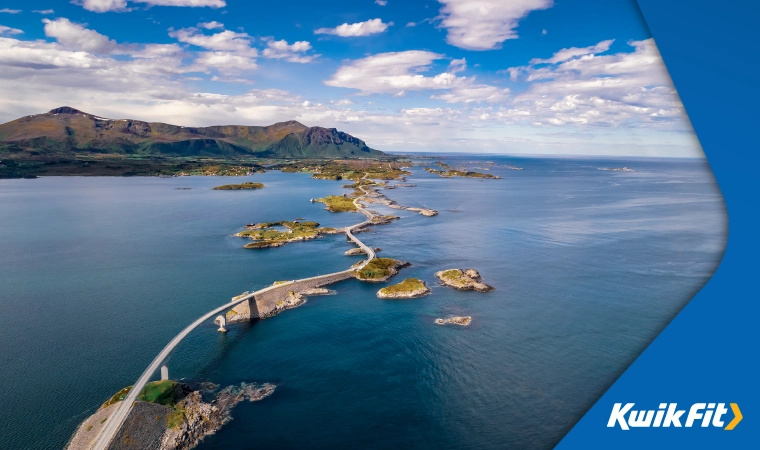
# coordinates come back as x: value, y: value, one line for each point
x: 588, y: 265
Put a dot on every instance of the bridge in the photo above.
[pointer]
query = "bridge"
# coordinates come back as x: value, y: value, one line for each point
x: 261, y: 297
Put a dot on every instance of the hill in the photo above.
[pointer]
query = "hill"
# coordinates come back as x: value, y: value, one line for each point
x: 65, y: 131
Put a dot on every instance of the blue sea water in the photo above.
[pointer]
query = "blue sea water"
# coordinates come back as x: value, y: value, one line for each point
x: 98, y: 274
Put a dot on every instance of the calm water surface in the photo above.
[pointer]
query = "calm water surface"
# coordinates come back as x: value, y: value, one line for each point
x: 98, y: 274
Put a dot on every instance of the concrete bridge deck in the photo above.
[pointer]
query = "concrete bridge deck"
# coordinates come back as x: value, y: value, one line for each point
x: 263, y: 297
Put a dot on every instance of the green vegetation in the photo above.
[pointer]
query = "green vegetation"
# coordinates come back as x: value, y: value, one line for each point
x: 455, y: 275
x: 461, y: 173
x: 407, y: 286
x: 176, y: 417
x: 338, y: 203
x: 237, y: 187
x: 161, y: 392
x: 117, y: 397
x: 376, y: 269
x: 29, y: 165
x: 165, y: 392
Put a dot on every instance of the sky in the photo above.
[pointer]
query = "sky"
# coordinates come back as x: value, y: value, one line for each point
x: 576, y: 77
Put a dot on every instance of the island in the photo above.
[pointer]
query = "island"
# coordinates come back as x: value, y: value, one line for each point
x: 455, y: 320
x: 462, y: 173
x: 265, y: 235
x: 380, y: 269
x: 337, y: 203
x: 239, y: 187
x: 464, y: 280
x: 360, y: 251
x: 409, y: 288
x: 618, y: 169
x: 170, y: 415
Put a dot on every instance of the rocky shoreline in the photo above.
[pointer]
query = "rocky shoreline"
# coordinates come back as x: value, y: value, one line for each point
x: 180, y: 426
x: 373, y: 196
x: 464, y: 280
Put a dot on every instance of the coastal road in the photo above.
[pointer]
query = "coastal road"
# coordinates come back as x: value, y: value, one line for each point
x: 117, y: 418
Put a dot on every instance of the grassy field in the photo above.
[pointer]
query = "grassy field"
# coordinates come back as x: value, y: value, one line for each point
x: 456, y: 275
x: 161, y: 392
x: 337, y: 203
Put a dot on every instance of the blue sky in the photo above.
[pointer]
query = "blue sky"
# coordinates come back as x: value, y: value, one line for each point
x: 493, y: 76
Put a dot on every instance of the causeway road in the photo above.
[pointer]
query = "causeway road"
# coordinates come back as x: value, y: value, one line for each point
x: 117, y: 418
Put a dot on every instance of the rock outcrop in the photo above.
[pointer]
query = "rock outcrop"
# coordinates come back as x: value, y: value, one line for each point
x: 409, y: 288
x: 464, y: 280
x: 180, y: 426
x: 360, y: 251
x: 455, y: 320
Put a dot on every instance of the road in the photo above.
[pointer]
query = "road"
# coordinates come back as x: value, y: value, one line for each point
x: 118, y: 417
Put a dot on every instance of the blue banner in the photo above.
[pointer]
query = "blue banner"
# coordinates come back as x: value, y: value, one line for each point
x: 699, y: 376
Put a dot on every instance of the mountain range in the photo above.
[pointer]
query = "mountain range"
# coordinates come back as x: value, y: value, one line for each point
x: 65, y: 131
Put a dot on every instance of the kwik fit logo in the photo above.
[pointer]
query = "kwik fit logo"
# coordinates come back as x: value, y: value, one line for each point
x: 668, y: 415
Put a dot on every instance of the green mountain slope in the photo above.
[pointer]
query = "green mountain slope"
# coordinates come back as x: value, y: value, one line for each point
x: 64, y: 131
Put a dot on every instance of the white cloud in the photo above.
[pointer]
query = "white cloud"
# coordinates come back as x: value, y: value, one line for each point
x: 76, y: 37
x: 224, y: 62
x: 457, y: 65
x: 227, y: 40
x: 626, y: 89
x: 556, y: 105
x: 9, y: 11
x: 475, y: 93
x: 44, y: 11
x: 121, y: 5
x: 544, y: 32
x: 367, y: 28
x: 290, y: 52
x: 211, y: 25
x: 572, y: 52
x: 9, y: 31
x: 411, y: 24
x: 485, y: 24
x: 391, y: 73
x: 381, y: 2
x: 398, y: 72
x: 104, y: 5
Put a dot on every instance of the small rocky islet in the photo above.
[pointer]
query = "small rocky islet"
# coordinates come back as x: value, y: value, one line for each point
x: 455, y: 320
x: 409, y: 288
x: 463, y: 280
x: 248, y: 186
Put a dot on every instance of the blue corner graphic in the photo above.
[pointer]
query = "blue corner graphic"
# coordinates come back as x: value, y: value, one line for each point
x: 708, y: 353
